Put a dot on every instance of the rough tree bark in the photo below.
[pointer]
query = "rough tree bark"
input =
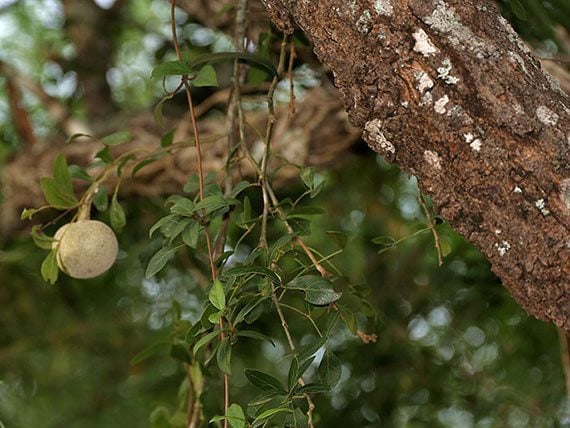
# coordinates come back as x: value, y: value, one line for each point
x: 447, y: 90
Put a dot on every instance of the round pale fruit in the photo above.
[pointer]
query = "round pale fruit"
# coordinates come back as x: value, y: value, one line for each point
x: 86, y: 248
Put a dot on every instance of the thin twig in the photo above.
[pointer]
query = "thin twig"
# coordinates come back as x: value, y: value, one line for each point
x: 270, y: 199
x: 292, y: 107
x: 200, y: 184
x: 267, y: 146
x: 431, y: 225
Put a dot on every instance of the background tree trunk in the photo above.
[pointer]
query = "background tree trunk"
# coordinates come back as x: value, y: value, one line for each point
x: 449, y: 92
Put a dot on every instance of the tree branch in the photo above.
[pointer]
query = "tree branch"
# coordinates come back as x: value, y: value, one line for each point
x: 449, y: 92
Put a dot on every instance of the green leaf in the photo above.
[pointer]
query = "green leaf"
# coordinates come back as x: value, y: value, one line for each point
x: 175, y: 227
x: 313, y: 180
x: 255, y: 335
x: 157, y: 112
x: 264, y: 397
x: 101, y: 199
x: 207, y: 76
x: 215, y: 317
x: 54, y: 196
x: 318, y: 290
x: 330, y: 369
x: 191, y: 234
x: 305, y: 211
x: 304, y: 366
x: 213, y: 203
x: 159, y: 260
x: 270, y: 413
x: 117, y: 214
x: 160, y: 224
x: 192, y: 185
x: 217, y: 295
x: 205, y: 340
x: 240, y: 187
x: 79, y: 173
x: 224, y: 356
x: 28, y: 213
x: 105, y: 155
x: 249, y: 306
x: 117, y: 138
x: 236, y: 416
x: 313, y: 388
x: 307, y: 175
x: 300, y: 226
x: 293, y: 373
x: 40, y: 239
x: 49, y: 269
x: 385, y: 242
x: 62, y: 177
x: 264, y: 381
x: 167, y: 138
x: 280, y: 243
x: 180, y: 205
x: 254, y: 270
x: 254, y: 60
x: 170, y: 68
x: 307, y: 351
x: 149, y: 351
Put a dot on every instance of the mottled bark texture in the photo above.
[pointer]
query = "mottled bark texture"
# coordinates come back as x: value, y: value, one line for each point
x: 447, y: 90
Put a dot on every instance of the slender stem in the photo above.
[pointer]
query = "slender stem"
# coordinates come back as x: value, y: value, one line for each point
x: 431, y: 225
x: 292, y: 107
x: 200, y: 185
x: 312, y: 321
x: 267, y: 147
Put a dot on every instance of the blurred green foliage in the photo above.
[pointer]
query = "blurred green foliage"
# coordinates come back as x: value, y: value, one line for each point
x: 453, y: 348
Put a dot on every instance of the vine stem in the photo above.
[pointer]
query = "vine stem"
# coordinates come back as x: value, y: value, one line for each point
x: 269, y: 199
x: 431, y: 226
x: 186, y: 83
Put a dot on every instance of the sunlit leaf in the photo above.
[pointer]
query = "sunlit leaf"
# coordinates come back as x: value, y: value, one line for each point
x: 206, y: 76
x: 117, y: 214
x: 217, y: 295
x: 170, y: 68
x: 54, y: 196
x: 49, y: 269
x: 40, y: 239
x: 191, y: 234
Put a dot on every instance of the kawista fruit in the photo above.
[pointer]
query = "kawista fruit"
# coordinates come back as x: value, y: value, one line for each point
x: 86, y: 248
